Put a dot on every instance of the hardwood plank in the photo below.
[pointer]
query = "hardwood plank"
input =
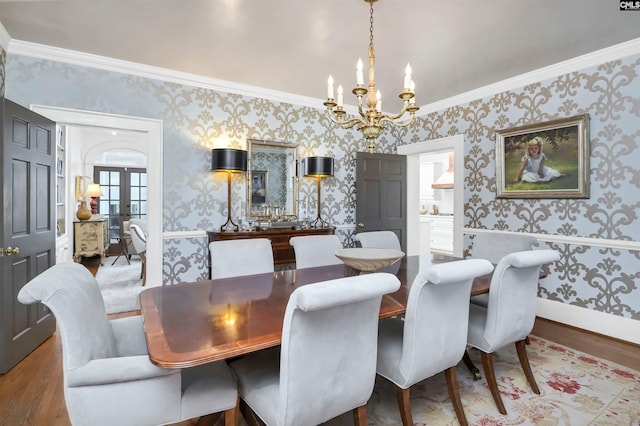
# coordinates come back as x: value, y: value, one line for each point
x: 615, y: 350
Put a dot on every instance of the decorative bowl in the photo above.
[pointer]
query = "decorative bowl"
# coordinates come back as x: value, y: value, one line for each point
x: 368, y: 259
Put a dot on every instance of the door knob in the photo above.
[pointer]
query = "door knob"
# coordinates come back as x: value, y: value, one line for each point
x: 361, y: 225
x: 9, y: 251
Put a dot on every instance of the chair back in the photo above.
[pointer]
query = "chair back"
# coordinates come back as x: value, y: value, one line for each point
x: 141, y: 223
x: 511, y: 310
x: 328, y: 350
x: 72, y: 294
x: 125, y: 235
x: 138, y: 238
x: 124, y: 230
x: 233, y: 258
x: 493, y: 245
x: 437, y: 318
x: 379, y: 239
x: 315, y: 250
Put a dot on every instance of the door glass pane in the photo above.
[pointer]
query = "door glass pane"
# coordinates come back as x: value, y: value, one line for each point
x: 138, y: 194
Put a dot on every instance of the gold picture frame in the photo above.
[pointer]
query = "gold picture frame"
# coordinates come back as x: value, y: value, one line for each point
x: 559, y: 168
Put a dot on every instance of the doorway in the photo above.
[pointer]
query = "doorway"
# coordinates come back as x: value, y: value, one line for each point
x: 413, y: 153
x: 151, y: 144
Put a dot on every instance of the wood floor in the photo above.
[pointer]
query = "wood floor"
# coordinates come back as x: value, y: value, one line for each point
x: 32, y: 392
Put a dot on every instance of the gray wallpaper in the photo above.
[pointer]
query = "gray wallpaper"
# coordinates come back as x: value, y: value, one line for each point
x: 592, y: 276
x: 195, y: 120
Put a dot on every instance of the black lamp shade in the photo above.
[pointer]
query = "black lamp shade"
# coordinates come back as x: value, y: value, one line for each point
x: 318, y: 166
x: 228, y: 160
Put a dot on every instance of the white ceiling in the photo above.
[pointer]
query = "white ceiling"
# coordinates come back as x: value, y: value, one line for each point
x: 292, y: 45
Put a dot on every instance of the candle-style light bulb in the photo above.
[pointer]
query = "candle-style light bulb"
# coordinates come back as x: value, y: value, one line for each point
x: 340, y: 99
x: 379, y: 103
x: 412, y: 88
x: 359, y: 73
x: 330, y: 87
x: 407, y: 77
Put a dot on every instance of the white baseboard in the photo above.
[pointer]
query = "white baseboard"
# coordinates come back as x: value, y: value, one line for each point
x: 588, y: 319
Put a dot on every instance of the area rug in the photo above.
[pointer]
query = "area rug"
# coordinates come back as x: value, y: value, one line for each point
x: 576, y: 389
x: 120, y: 285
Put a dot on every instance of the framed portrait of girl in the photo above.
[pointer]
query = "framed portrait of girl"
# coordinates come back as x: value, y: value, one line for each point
x: 548, y: 160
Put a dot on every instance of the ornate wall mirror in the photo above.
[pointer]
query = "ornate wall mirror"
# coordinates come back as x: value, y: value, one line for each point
x: 272, y: 182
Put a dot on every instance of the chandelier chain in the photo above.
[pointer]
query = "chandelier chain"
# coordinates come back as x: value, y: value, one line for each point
x: 370, y: 24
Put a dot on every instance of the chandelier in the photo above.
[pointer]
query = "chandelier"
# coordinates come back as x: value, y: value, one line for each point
x: 371, y: 123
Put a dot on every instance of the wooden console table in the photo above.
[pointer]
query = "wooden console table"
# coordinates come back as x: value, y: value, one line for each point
x: 91, y: 237
x: 282, y: 251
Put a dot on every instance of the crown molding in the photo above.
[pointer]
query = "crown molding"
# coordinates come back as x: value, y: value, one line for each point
x: 18, y: 47
x: 35, y: 50
x: 618, y: 51
x: 4, y: 38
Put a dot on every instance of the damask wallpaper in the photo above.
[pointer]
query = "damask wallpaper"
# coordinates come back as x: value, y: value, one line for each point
x: 594, y: 273
x: 597, y: 272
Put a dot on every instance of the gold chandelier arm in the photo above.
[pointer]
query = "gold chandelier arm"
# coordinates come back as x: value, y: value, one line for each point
x: 360, y: 110
x: 398, y: 123
x: 345, y: 124
x: 398, y: 115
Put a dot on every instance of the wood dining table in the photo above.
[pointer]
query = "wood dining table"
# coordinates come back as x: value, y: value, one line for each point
x: 195, y: 323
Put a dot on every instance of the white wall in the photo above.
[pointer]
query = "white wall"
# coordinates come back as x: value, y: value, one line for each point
x: 432, y: 165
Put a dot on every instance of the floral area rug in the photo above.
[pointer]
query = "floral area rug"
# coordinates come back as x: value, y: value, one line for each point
x: 576, y: 389
x: 120, y: 284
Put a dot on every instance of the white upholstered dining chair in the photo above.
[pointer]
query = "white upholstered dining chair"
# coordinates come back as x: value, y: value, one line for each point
x: 108, y: 377
x: 493, y: 246
x: 139, y: 241
x: 326, y: 364
x: 432, y: 337
x: 510, y: 313
x: 315, y: 250
x: 233, y: 258
x: 379, y: 239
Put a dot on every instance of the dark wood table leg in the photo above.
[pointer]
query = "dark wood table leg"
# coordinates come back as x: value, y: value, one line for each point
x: 471, y: 366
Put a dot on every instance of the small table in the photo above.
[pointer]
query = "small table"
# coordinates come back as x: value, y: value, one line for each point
x: 91, y: 237
x: 195, y: 323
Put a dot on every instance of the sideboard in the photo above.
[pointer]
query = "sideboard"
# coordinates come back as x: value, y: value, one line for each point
x: 90, y: 238
x: 282, y: 251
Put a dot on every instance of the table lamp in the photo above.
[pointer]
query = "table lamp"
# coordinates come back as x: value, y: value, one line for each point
x: 231, y: 161
x: 93, y: 191
x: 318, y: 167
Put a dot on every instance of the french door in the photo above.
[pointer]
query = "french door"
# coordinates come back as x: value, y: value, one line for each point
x: 125, y: 198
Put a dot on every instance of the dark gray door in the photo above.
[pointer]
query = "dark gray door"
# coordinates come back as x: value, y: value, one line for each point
x: 29, y: 230
x: 381, y: 193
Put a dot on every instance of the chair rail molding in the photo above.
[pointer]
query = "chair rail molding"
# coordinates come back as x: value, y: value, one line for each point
x: 563, y: 239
